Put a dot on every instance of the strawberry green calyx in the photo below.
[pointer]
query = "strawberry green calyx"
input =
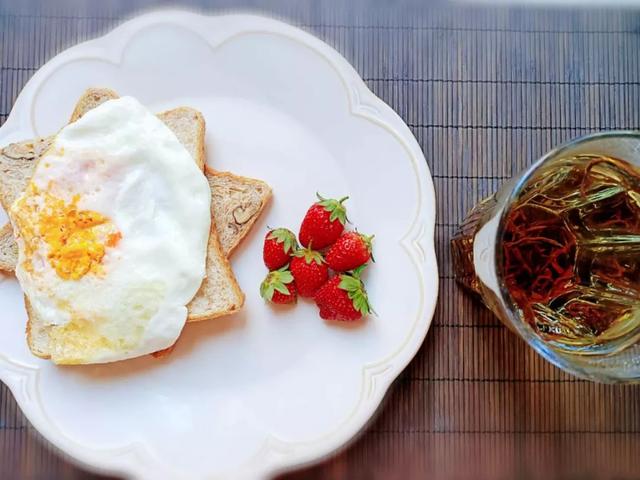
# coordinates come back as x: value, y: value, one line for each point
x: 357, y: 272
x: 368, y: 241
x: 335, y: 208
x: 286, y: 238
x: 354, y: 287
x: 309, y: 256
x: 276, y: 281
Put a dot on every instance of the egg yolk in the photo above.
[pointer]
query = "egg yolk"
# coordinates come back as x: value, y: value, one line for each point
x: 76, y: 239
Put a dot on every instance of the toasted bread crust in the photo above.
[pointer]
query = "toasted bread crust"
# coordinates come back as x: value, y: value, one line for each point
x: 32, y: 340
x: 215, y: 255
x: 8, y: 249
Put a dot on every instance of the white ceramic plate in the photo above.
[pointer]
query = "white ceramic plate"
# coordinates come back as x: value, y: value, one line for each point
x: 264, y: 390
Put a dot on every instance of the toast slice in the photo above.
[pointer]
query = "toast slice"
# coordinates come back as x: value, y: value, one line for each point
x: 220, y: 293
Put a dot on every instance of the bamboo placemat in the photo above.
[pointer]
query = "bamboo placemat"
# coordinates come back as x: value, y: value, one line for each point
x: 485, y: 91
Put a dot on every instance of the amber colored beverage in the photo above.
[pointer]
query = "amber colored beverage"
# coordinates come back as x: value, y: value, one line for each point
x: 570, y: 253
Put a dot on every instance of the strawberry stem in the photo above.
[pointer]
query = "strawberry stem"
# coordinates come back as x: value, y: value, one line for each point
x: 309, y: 255
x: 335, y: 208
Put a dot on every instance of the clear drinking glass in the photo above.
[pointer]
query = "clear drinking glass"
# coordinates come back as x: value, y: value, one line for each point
x: 477, y: 255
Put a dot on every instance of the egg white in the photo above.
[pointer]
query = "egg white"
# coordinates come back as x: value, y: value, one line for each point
x: 125, y: 164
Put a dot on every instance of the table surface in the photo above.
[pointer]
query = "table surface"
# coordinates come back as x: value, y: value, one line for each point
x: 485, y: 91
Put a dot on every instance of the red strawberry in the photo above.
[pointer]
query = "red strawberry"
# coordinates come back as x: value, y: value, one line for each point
x: 343, y: 298
x: 350, y: 251
x: 279, y: 245
x: 309, y: 271
x: 323, y: 223
x: 279, y: 287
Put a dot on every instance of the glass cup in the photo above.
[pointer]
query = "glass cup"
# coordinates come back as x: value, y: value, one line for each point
x: 477, y: 256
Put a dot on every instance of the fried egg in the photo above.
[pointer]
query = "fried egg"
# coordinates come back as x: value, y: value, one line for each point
x: 112, y: 234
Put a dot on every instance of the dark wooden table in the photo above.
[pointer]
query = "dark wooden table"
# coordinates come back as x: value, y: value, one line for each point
x: 485, y: 91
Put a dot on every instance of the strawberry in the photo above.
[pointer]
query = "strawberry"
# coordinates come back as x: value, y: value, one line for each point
x: 279, y: 287
x: 309, y: 271
x: 323, y: 223
x: 279, y: 245
x: 350, y: 251
x: 343, y: 298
